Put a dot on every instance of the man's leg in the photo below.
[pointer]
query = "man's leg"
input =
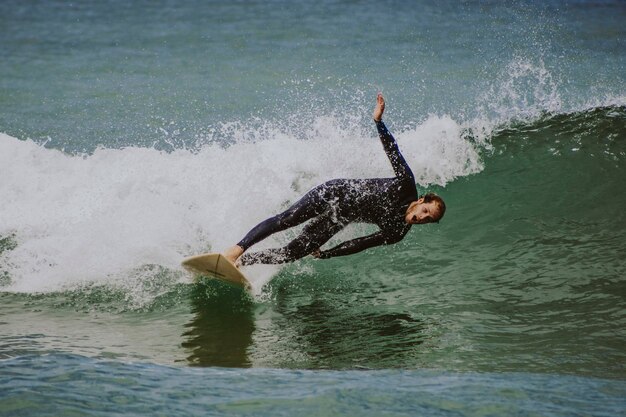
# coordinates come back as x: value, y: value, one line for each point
x: 310, y: 205
x: 314, y: 235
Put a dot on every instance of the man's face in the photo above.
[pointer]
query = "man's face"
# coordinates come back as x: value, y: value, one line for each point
x: 423, y: 213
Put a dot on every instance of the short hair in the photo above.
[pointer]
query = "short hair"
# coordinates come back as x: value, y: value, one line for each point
x: 429, y: 197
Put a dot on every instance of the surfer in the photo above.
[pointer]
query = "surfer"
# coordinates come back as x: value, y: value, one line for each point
x: 390, y: 203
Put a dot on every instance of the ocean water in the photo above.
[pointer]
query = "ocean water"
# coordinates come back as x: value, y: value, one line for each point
x: 134, y: 134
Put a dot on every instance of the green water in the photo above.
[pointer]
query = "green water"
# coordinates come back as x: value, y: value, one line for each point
x: 525, y: 273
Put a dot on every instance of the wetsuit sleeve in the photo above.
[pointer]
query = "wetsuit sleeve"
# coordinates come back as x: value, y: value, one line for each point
x: 400, y: 167
x: 357, y: 245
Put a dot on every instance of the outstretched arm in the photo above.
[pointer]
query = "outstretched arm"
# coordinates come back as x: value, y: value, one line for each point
x: 357, y: 245
x: 400, y: 167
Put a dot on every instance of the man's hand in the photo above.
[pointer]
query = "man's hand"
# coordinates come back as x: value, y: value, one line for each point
x: 316, y: 254
x: 380, y: 108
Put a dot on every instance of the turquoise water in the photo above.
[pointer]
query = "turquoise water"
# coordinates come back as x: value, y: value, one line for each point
x: 65, y: 386
x: 134, y: 135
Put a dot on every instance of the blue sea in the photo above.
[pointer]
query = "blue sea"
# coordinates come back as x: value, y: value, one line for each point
x: 135, y: 134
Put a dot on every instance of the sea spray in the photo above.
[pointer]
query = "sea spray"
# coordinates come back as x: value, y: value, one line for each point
x: 102, y: 218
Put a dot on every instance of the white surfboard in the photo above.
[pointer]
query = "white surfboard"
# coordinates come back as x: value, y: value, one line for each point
x: 215, y: 265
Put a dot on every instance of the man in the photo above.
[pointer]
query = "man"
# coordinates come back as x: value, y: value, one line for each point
x: 390, y: 203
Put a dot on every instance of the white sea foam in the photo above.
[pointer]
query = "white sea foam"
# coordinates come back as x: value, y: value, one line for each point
x: 524, y: 91
x: 101, y: 218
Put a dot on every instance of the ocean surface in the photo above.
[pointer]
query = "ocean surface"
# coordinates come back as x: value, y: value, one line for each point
x: 134, y: 134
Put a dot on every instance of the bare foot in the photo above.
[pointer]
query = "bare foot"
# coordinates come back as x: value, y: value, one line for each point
x: 380, y: 108
x: 233, y: 253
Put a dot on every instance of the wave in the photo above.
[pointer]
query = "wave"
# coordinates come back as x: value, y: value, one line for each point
x: 304, y: 392
x: 121, y: 217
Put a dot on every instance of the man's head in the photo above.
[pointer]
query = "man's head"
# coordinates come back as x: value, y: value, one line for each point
x: 429, y: 208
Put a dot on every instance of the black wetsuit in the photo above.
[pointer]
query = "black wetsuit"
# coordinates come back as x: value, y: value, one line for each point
x: 334, y: 204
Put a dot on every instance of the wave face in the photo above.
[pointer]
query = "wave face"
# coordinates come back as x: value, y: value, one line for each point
x: 530, y: 246
x: 102, y: 217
